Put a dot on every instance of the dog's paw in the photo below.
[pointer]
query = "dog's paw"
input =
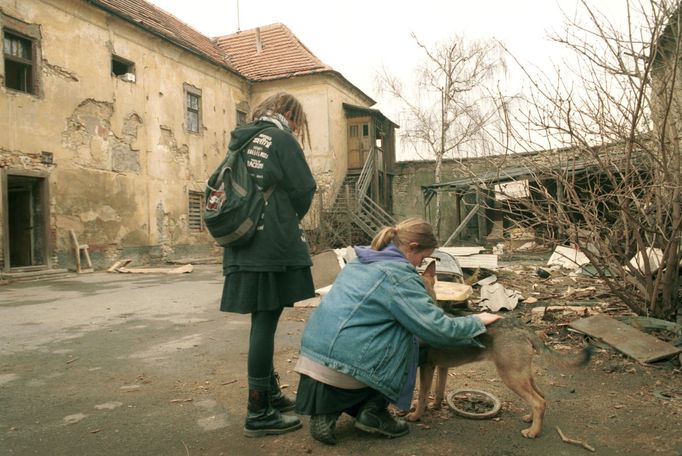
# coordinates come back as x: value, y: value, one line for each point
x: 527, y: 418
x: 530, y: 433
x: 412, y: 417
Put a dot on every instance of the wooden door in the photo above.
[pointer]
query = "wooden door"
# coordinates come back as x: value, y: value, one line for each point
x: 358, y: 142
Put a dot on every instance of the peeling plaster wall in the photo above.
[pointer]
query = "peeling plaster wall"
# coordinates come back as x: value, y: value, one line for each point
x: 123, y: 161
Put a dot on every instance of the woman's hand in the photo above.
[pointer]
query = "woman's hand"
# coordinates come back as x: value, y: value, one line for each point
x: 488, y: 318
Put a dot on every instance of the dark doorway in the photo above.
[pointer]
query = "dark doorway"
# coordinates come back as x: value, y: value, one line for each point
x: 27, y: 217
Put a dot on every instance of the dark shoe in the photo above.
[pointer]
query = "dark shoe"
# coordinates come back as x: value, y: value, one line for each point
x: 282, y: 402
x: 374, y: 417
x: 278, y: 399
x: 322, y: 427
x: 263, y: 419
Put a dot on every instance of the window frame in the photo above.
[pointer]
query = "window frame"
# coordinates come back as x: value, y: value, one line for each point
x: 191, y: 91
x: 32, y: 63
x: 129, y: 66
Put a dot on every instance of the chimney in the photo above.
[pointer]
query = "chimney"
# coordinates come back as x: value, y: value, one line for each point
x: 259, y: 44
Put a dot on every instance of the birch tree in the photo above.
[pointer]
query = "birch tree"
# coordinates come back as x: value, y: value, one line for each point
x: 448, y: 108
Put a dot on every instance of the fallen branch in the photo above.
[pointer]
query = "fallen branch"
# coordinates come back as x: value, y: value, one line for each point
x: 573, y: 441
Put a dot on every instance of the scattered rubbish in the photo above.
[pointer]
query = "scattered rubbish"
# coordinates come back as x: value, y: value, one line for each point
x: 447, y: 266
x: 574, y: 441
x: 542, y: 273
x: 495, y: 297
x: 653, y: 258
x: 567, y: 258
x: 590, y: 270
x: 470, y: 257
x: 452, y: 291
x: 73, y: 419
x: 626, y: 339
x: 654, y: 324
x: 486, y: 281
x: 498, y: 249
x: 527, y: 246
x: 325, y: 268
x: 542, y: 313
x: 120, y: 266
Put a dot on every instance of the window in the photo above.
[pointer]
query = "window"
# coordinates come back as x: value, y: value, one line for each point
x: 196, y: 210
x: 365, y: 130
x: 354, y: 131
x: 241, y: 117
x: 193, y: 109
x: 19, y: 62
x: 122, y: 68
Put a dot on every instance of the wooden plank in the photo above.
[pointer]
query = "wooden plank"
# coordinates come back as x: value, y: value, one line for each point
x: 626, y: 339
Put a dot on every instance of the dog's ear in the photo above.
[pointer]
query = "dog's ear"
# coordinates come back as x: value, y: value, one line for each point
x: 430, y: 270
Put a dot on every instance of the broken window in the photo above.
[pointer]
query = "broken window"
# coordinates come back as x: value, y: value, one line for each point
x: 122, y: 68
x: 196, y: 211
x: 19, y: 56
x: 241, y: 117
x: 193, y: 109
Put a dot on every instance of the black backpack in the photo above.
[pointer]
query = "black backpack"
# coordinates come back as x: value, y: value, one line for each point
x: 234, y: 203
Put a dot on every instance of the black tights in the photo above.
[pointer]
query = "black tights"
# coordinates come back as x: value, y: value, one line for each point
x: 262, y: 343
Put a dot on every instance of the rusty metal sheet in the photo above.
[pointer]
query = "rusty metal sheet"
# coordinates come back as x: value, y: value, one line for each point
x: 626, y: 339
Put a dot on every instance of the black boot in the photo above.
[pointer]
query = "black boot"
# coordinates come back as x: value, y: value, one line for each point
x: 322, y: 427
x: 374, y: 417
x: 263, y: 419
x: 277, y: 398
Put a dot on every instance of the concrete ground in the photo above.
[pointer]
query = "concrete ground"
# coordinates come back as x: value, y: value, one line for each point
x: 144, y: 364
x: 124, y: 364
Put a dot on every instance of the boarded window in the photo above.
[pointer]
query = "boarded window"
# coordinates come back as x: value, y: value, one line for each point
x: 196, y: 211
x: 19, y: 62
x: 192, y: 109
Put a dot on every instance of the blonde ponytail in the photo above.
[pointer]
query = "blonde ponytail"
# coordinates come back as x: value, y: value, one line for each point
x: 406, y: 232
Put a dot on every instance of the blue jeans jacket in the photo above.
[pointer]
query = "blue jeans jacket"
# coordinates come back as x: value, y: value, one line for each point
x: 365, y: 326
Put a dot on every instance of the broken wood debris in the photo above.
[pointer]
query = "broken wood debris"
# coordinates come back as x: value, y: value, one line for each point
x: 626, y: 339
x: 120, y: 266
x: 574, y: 441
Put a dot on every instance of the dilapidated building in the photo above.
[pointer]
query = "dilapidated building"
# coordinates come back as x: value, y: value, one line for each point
x: 113, y: 113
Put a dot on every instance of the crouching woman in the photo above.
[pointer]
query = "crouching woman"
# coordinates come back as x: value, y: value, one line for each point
x: 359, y: 349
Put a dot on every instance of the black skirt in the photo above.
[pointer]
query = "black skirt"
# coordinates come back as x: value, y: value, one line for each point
x: 317, y: 398
x: 256, y: 291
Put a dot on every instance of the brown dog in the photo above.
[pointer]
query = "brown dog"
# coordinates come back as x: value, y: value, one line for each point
x: 510, y: 347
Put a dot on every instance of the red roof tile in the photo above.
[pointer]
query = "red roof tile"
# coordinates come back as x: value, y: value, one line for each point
x: 166, y: 25
x: 281, y: 54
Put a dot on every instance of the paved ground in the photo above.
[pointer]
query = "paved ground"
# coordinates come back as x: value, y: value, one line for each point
x: 144, y: 364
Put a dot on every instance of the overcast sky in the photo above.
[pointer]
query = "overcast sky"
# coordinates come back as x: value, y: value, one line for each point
x: 359, y: 37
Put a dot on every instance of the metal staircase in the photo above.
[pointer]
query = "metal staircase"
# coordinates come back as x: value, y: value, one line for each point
x: 355, y: 217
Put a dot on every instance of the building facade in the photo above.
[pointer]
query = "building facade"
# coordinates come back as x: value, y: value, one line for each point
x: 113, y: 114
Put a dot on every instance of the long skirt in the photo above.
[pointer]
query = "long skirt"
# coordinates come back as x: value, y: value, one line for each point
x: 317, y: 398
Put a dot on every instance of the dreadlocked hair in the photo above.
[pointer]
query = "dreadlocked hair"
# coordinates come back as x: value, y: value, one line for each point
x: 281, y: 103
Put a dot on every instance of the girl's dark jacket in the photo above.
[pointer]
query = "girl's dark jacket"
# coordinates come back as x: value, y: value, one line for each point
x: 274, y: 157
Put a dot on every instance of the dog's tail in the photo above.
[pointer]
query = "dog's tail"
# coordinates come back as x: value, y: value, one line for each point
x: 581, y: 359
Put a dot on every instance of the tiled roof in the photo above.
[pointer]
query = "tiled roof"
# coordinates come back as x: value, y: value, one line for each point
x: 164, y: 24
x: 279, y: 55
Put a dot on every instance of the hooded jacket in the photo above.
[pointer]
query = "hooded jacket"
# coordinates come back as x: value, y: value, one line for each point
x: 365, y: 326
x: 274, y: 158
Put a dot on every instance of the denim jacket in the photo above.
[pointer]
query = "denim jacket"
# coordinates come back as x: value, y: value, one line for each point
x: 365, y: 326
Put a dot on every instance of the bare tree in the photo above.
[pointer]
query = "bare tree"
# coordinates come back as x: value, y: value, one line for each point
x: 449, y: 106
x: 611, y: 182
